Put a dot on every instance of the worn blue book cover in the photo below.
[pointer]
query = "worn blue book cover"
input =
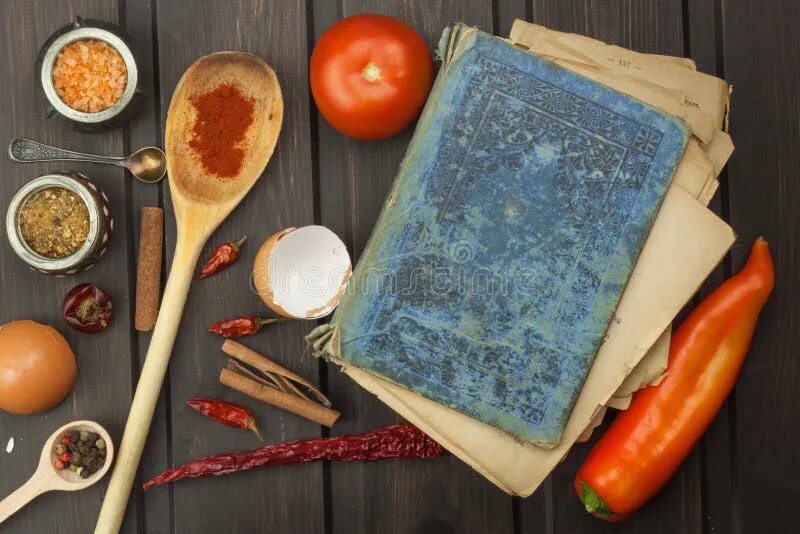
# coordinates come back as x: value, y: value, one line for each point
x: 507, y: 240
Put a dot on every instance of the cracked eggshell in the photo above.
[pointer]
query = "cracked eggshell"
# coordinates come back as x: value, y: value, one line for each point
x: 302, y: 273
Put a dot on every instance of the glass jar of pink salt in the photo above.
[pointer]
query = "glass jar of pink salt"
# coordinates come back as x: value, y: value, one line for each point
x: 89, y: 74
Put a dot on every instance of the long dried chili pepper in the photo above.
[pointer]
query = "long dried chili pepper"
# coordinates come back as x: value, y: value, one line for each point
x: 247, y: 325
x: 396, y: 441
x: 222, y: 257
x: 647, y: 442
x: 225, y: 412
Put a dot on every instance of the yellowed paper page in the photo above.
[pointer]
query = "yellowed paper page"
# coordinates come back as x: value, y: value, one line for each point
x: 647, y: 372
x: 594, y: 423
x: 594, y: 50
x: 719, y: 150
x: 694, y: 170
x: 686, y: 243
x: 703, y: 95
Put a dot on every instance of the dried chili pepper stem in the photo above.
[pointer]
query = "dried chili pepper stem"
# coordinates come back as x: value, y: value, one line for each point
x: 247, y: 325
x: 226, y: 413
x: 395, y: 441
x: 252, y: 426
x: 222, y: 257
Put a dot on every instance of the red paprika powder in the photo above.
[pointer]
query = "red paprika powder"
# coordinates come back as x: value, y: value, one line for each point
x: 223, y: 117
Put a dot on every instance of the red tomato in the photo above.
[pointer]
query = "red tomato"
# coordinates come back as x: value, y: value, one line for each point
x: 370, y: 76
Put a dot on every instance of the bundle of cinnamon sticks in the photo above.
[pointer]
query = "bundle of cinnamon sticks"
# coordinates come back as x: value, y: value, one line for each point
x: 259, y: 377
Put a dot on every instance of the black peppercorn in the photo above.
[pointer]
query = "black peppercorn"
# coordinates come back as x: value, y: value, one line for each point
x: 87, y: 452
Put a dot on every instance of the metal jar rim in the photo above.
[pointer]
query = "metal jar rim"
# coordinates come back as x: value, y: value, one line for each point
x: 78, y: 34
x: 21, y: 247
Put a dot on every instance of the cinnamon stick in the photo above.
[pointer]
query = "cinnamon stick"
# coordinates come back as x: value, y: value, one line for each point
x: 298, y: 405
x: 267, y: 366
x: 148, y: 272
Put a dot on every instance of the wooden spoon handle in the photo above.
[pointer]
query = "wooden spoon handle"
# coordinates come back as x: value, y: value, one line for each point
x: 147, y: 391
x: 22, y: 496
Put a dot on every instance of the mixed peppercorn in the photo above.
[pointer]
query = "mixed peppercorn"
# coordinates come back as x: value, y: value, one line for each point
x: 83, y: 452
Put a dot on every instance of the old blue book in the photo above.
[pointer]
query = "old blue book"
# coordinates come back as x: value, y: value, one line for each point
x: 508, y: 237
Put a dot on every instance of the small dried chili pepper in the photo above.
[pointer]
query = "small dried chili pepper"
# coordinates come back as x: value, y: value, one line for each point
x: 246, y: 325
x: 226, y: 413
x: 395, y: 441
x: 87, y: 308
x: 222, y: 257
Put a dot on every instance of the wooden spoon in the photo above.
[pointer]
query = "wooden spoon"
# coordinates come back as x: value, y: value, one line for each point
x: 201, y: 202
x: 48, y: 478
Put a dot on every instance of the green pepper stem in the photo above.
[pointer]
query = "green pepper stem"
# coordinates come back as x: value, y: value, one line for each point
x: 593, y: 503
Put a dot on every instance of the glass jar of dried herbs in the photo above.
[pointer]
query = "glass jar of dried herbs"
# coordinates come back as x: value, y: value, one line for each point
x: 54, y: 222
x: 59, y: 223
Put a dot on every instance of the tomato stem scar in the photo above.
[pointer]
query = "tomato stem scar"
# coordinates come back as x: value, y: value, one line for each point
x: 371, y: 73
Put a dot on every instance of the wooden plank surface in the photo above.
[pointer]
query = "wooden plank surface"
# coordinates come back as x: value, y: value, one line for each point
x: 742, y: 477
x: 280, y: 498
x: 137, y: 20
x: 716, y: 446
x: 761, y: 58
x: 103, y: 387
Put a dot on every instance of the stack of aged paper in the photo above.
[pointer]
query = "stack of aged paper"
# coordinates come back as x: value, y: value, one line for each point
x: 686, y: 242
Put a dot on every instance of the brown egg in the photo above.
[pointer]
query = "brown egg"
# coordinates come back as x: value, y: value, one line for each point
x: 37, y: 367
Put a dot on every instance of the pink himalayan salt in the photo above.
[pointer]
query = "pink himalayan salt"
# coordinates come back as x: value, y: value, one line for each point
x: 89, y: 75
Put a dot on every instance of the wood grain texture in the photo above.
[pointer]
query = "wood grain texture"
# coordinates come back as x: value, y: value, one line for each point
x: 288, y: 497
x: 741, y: 481
x: 103, y: 388
x: 647, y: 26
x: 137, y: 19
x: 717, y: 445
x: 439, y: 496
x: 762, y: 54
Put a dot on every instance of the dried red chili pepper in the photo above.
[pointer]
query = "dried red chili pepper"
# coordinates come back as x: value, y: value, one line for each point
x: 222, y: 257
x: 396, y: 441
x: 246, y: 325
x: 225, y: 412
x: 87, y: 308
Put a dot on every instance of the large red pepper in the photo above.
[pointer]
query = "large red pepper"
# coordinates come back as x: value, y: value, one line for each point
x: 646, y: 443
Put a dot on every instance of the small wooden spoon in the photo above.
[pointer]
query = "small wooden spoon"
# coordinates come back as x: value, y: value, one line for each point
x: 201, y: 202
x: 48, y: 478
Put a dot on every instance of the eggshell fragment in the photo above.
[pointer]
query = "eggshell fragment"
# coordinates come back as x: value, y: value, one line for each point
x: 302, y: 273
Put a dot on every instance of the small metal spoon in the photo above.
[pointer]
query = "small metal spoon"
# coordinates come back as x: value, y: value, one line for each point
x: 148, y: 164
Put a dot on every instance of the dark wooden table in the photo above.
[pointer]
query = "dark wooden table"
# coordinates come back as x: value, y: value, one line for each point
x: 742, y: 478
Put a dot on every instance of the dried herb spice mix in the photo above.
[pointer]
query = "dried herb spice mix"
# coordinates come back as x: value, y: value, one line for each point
x: 54, y: 222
